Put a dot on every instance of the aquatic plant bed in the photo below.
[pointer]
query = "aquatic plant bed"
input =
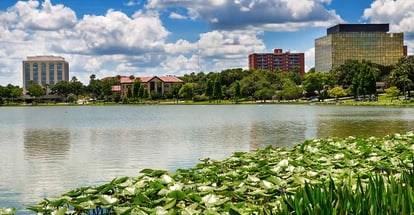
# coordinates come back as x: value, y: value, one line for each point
x: 267, y: 181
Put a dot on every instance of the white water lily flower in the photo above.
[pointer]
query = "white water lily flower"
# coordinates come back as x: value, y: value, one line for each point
x: 166, y: 179
x: 204, y: 188
x: 276, y: 169
x: 253, y: 178
x: 374, y: 158
x: 161, y: 211
x: 283, y: 163
x: 107, y: 199
x: 311, y: 173
x: 210, y: 199
x: 323, y: 159
x: 339, y: 156
x: 267, y: 184
x: 176, y: 186
x: 311, y: 149
x: 290, y: 168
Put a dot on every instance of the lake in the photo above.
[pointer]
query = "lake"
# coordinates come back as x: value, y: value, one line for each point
x: 46, y: 151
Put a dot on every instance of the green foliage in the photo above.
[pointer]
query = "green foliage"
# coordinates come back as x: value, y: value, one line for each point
x: 318, y: 176
x: 72, y: 98
x: 364, y: 80
x: 217, y: 92
x: 379, y: 194
x: 200, y: 98
x: 402, y: 76
x: 317, y: 81
x: 137, y: 92
x: 187, y: 91
x: 337, y: 92
x: 36, y: 90
x: 392, y: 92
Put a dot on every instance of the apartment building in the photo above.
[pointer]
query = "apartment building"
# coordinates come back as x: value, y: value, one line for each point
x: 285, y: 61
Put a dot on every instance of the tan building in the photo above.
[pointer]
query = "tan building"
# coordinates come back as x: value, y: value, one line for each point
x: 158, y: 84
x: 44, y: 70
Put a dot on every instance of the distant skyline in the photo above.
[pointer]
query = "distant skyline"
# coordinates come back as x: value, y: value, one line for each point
x: 176, y: 37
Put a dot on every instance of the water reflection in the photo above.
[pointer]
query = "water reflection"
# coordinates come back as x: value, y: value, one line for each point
x: 352, y: 127
x: 46, y: 143
x: 276, y: 133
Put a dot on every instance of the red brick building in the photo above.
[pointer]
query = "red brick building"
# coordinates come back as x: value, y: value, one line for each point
x: 278, y: 60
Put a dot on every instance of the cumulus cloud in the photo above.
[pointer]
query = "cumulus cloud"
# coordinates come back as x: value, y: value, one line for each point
x: 398, y: 13
x: 116, y: 33
x: 258, y: 14
x: 50, y: 17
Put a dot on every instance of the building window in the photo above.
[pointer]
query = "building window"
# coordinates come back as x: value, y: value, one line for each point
x: 59, y: 72
x: 43, y: 73
x: 27, y: 74
x: 35, y: 73
x: 51, y: 74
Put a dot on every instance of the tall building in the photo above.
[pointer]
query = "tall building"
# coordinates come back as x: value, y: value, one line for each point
x: 370, y: 42
x: 277, y: 60
x: 44, y: 70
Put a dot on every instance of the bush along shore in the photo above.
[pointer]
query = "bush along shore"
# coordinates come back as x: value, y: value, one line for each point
x: 366, y: 175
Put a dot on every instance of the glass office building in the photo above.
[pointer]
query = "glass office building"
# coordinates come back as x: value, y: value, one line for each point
x: 370, y: 42
x: 44, y: 70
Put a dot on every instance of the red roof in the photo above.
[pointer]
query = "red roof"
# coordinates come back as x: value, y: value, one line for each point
x: 165, y: 79
x: 170, y: 79
x: 126, y: 80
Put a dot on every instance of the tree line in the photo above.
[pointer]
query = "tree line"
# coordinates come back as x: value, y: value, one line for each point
x: 353, y: 78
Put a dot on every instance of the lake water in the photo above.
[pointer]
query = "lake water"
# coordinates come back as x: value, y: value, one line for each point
x: 46, y: 151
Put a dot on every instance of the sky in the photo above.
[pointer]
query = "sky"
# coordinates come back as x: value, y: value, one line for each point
x: 176, y: 37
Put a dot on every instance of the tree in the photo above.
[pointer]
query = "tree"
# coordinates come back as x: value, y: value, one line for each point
x: 209, y: 89
x: 337, y: 92
x: 402, y: 76
x: 237, y: 91
x: 290, y: 90
x: 35, y: 90
x: 72, y: 98
x: 217, y: 92
x: 75, y: 86
x: 136, y: 89
x: 187, y: 91
x: 62, y: 88
x: 94, y: 87
x: 317, y: 81
x: 392, y: 92
x: 364, y: 81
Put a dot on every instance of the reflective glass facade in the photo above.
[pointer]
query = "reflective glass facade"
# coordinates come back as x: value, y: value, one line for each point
x: 381, y: 48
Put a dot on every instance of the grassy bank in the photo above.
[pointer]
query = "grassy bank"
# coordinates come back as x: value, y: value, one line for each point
x: 358, y: 175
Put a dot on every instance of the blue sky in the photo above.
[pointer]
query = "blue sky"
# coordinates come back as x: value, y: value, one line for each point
x: 176, y: 37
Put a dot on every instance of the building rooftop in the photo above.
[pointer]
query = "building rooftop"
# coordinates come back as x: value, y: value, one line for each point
x: 343, y: 28
x: 45, y: 58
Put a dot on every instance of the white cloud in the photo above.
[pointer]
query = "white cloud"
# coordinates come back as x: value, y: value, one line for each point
x: 399, y: 13
x: 309, y: 59
x: 229, y: 44
x: 50, y: 17
x: 258, y: 14
x: 174, y: 15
